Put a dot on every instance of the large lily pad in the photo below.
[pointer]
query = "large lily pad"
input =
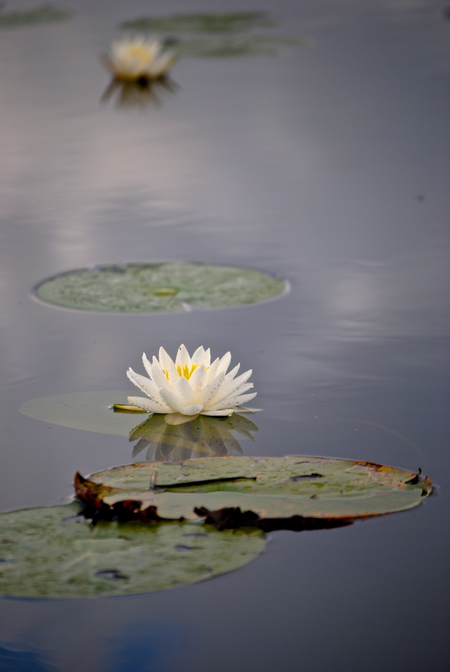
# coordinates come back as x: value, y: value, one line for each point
x: 271, y: 488
x: 33, y: 16
x: 47, y: 553
x: 159, y: 287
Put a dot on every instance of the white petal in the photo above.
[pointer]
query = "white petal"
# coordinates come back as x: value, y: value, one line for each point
x: 239, y: 390
x: 147, y: 364
x: 198, y: 379
x: 231, y: 374
x: 231, y: 402
x: 201, y: 356
x: 208, y: 393
x: 148, y: 405
x: 184, y: 392
x: 159, y: 377
x: 173, y: 402
x: 183, y: 357
x: 167, y: 363
x: 224, y: 363
x: 193, y: 409
x: 212, y: 371
x: 154, y: 48
x: 225, y: 411
x: 163, y: 64
x: 144, y: 384
x: 231, y: 386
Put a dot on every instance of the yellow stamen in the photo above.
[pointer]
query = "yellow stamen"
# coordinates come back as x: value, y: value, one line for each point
x: 184, y: 370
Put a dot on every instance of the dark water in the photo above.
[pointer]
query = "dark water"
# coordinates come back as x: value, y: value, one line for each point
x: 329, y: 165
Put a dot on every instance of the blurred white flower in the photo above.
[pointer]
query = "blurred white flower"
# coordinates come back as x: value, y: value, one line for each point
x: 191, y: 385
x: 139, y: 58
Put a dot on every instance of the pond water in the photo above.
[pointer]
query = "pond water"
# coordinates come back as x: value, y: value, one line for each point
x: 326, y: 164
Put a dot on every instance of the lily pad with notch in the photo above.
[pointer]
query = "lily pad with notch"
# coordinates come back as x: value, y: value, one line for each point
x: 168, y: 286
x: 52, y: 553
x: 278, y: 492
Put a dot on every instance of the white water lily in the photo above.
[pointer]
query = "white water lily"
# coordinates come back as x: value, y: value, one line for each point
x: 135, y: 58
x: 191, y: 385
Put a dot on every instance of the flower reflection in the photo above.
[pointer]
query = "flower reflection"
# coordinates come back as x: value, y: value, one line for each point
x: 138, y: 94
x: 202, y: 437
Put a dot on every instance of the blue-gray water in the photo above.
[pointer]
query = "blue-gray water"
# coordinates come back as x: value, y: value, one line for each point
x: 328, y: 165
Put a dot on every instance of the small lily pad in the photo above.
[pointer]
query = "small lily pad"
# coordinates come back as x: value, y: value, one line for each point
x: 270, y: 488
x: 31, y: 17
x: 238, y: 45
x: 159, y: 287
x: 201, y: 23
x: 51, y: 553
x: 91, y: 411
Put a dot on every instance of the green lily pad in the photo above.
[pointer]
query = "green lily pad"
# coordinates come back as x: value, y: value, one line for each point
x: 90, y: 411
x: 46, y: 553
x: 201, y: 23
x: 241, y: 45
x: 216, y: 34
x: 31, y: 17
x: 270, y: 488
x: 159, y: 287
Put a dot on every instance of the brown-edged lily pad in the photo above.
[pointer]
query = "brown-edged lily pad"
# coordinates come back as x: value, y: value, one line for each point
x: 289, y: 490
x: 52, y: 553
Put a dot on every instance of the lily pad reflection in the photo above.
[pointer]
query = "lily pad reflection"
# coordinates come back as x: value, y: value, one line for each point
x: 51, y: 553
x: 204, y: 436
x: 159, y: 287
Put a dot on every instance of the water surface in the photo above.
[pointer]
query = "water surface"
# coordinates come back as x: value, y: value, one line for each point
x: 327, y: 165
